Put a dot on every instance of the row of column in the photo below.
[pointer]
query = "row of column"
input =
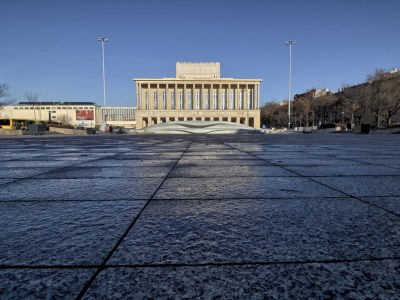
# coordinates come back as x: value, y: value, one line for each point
x: 158, y: 120
x: 119, y: 114
x: 213, y: 97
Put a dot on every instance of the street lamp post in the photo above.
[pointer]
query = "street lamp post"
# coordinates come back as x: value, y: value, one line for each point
x: 103, y: 40
x: 290, y: 43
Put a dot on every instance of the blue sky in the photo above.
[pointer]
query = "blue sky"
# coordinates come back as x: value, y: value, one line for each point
x: 51, y: 47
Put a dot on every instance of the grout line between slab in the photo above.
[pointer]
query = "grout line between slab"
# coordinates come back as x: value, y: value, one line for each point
x: 102, y: 266
x: 325, y: 185
x: 207, y: 264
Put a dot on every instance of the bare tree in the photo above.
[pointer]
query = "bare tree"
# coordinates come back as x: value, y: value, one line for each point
x: 323, y: 108
x: 64, y: 119
x: 391, y: 94
x: 302, y: 106
x: 33, y: 98
x: 4, y: 96
x: 274, y: 114
x: 377, y: 95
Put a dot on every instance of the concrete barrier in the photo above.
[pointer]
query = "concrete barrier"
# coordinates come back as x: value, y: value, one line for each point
x: 328, y: 130
x: 12, y: 132
x: 67, y: 131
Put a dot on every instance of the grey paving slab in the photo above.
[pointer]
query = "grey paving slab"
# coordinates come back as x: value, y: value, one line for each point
x: 390, y: 203
x: 354, y: 280
x: 80, y: 189
x: 393, y: 161
x: 7, y: 156
x: 42, y: 284
x: 352, y: 170
x: 226, y: 223
x: 35, y: 164
x: 319, y: 161
x: 206, y: 151
x: 219, y: 157
x: 190, y: 161
x: 238, y: 231
x: 242, y: 187
x: 283, y: 156
x: 3, y: 181
x: 71, y: 157
x: 62, y: 233
x: 107, y: 172
x: 149, y: 155
x: 22, y: 172
x: 144, y: 162
x: 229, y: 171
x: 364, y: 185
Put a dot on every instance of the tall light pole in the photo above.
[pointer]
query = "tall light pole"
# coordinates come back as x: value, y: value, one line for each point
x: 290, y: 43
x: 103, y: 40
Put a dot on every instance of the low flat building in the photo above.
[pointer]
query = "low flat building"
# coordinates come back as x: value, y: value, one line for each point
x: 197, y: 93
x: 85, y: 114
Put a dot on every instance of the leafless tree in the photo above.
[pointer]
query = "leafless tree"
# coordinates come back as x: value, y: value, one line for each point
x: 274, y: 114
x: 323, y: 108
x: 33, y: 98
x: 64, y: 119
x: 4, y: 96
x: 376, y: 92
x: 302, y: 108
x: 391, y: 94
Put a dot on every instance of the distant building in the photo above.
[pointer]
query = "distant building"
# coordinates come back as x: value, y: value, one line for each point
x: 86, y: 114
x: 311, y: 94
x: 197, y: 93
x: 119, y: 116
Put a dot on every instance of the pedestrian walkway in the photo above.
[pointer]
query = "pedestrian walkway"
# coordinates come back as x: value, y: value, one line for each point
x: 195, y: 216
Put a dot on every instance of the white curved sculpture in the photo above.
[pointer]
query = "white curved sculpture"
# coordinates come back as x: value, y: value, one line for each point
x: 204, y: 127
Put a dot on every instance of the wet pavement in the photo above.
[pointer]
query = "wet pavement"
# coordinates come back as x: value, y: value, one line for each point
x: 194, y: 216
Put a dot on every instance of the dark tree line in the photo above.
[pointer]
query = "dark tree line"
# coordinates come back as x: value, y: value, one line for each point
x: 375, y: 102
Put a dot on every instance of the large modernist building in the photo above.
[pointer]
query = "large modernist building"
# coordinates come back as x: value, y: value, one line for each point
x: 197, y: 93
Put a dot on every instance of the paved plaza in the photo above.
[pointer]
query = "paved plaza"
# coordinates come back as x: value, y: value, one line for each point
x: 249, y: 216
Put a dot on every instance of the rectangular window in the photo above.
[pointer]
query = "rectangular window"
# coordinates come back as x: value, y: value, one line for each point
x: 180, y: 100
x: 189, y: 94
x: 249, y: 99
x: 206, y: 99
x: 232, y: 100
x: 223, y: 99
x: 146, y: 97
x: 164, y: 100
x: 155, y: 100
x: 240, y: 99
x: 198, y: 100
x: 215, y: 99
x: 172, y: 99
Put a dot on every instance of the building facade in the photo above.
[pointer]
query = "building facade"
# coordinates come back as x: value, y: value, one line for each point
x: 197, y: 93
x: 85, y: 114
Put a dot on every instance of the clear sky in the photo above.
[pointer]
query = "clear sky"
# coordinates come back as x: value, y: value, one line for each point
x: 51, y: 47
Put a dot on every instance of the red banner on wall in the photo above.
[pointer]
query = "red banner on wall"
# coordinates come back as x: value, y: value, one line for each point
x: 84, y: 115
